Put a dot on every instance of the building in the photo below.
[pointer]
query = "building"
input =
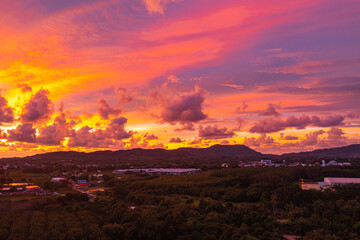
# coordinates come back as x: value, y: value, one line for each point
x: 266, y: 162
x: 340, y: 181
x: 169, y: 171
x: 32, y: 188
x: 328, y: 183
x: 59, y: 179
x: 332, y: 163
x: 310, y: 186
x: 225, y: 165
x: 97, y: 175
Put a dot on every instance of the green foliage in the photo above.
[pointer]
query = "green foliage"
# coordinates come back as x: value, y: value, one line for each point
x: 248, y: 204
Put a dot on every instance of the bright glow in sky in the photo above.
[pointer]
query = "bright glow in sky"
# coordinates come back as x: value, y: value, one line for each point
x: 275, y: 75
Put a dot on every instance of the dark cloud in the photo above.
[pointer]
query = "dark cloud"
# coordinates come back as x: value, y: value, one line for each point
x: 84, y: 138
x: 148, y: 136
x: 271, y: 110
x: 87, y: 137
x: 187, y: 126
x: 105, y: 110
x: 239, y: 124
x: 263, y: 140
x: 184, y: 109
x: 2, y: 135
x: 38, y: 108
x: 24, y: 87
x: 353, y: 115
x: 22, y: 133
x: 213, y: 132
x: 124, y: 96
x: 116, y: 129
x: 55, y: 133
x: 175, y: 140
x: 270, y: 125
x: 329, y: 121
x: 290, y: 137
x: 242, y: 108
x: 6, y: 113
x: 311, y: 139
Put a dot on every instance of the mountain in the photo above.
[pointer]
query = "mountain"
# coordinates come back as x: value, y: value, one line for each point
x: 213, y: 154
x: 210, y: 152
x: 351, y: 151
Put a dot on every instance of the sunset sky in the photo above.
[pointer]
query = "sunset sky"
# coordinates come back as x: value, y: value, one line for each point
x: 86, y: 75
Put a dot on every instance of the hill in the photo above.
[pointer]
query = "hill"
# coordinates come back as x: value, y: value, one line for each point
x: 351, y: 151
x: 210, y: 152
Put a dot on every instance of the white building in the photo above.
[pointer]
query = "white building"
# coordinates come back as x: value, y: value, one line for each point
x: 339, y: 181
x: 170, y: 171
x: 225, y: 165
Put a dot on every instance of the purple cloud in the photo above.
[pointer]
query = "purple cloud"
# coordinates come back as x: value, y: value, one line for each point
x: 105, y: 110
x: 6, y: 113
x: 22, y: 133
x: 269, y: 125
x: 184, y: 109
x: 175, y: 140
x: 213, y: 132
x: 38, y: 108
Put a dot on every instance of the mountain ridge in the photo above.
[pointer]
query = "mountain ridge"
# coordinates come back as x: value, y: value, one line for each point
x: 215, y: 151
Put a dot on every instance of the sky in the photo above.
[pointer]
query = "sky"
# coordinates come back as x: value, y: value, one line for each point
x: 277, y: 76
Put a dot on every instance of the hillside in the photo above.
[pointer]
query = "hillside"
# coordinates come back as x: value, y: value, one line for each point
x: 351, y: 151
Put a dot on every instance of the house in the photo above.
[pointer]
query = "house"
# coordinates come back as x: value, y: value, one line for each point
x: 340, y: 181
x: 82, y: 185
x: 99, y: 175
x: 225, y: 165
x: 242, y: 164
x: 59, y: 179
x: 170, y: 171
x: 266, y: 162
x: 332, y: 163
x: 32, y: 188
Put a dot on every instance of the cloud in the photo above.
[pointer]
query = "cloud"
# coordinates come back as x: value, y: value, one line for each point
x: 242, y: 108
x: 105, y: 110
x: 353, y: 115
x: 22, y: 133
x: 124, y: 96
x: 38, y: 108
x: 2, y: 135
x: 336, y: 137
x: 271, y: 110
x: 24, y: 87
x: 312, y: 66
x: 183, y: 109
x: 148, y: 136
x: 214, y: 132
x: 88, y: 137
x: 239, y: 124
x: 157, y: 6
x: 6, y: 113
x: 175, y: 140
x: 116, y: 129
x: 84, y: 138
x: 232, y: 85
x: 289, y: 137
x: 55, y: 133
x: 175, y: 102
x: 270, y: 125
x: 188, y: 126
x: 311, y: 139
x: 263, y: 140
